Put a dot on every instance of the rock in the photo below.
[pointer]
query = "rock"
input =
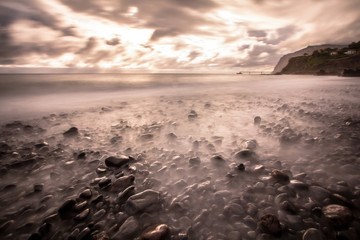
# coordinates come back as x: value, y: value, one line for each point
x: 146, y: 137
x: 313, y: 234
x: 127, y: 229
x: 249, y: 144
x: 72, y: 132
x: 100, y: 236
x: 257, y: 120
x: 337, y: 215
x: 22, y: 163
x: 84, y: 234
x: 86, y: 194
x: 99, y: 214
x: 270, y: 224
x: 38, y: 187
x: 124, y: 195
x: 66, y: 209
x: 192, y: 115
x: 217, y: 159
x: 171, y: 136
x: 318, y: 193
x: 157, y: 232
x: 245, y: 154
x: 116, y: 139
x: 280, y: 176
x: 241, y: 167
x: 35, y: 236
x: 194, y: 161
x: 81, y: 216
x: 298, y: 185
x: 142, y: 201
x: 104, y: 182
x: 288, y: 207
x: 122, y: 183
x: 117, y: 161
x: 81, y: 155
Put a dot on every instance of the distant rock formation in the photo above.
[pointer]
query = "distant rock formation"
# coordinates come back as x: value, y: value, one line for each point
x: 284, y: 60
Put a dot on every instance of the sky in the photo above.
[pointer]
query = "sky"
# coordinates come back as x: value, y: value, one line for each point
x: 189, y: 36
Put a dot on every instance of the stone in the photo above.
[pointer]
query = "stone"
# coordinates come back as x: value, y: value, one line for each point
x: 241, y: 167
x: 81, y: 216
x: 100, y: 236
x: 280, y: 176
x: 157, y: 232
x: 269, y: 224
x: 249, y: 144
x: 298, y: 185
x: 84, y: 234
x: 124, y: 195
x: 217, y: 159
x: 122, y: 183
x: 104, y: 182
x: 257, y: 120
x: 38, y: 187
x: 245, y: 154
x: 313, y: 234
x: 318, y: 193
x: 117, y: 161
x: 66, y: 209
x: 99, y: 214
x: 141, y: 201
x: 337, y: 215
x: 194, y: 161
x: 127, y: 229
x: 192, y: 115
x: 86, y: 194
x: 72, y: 132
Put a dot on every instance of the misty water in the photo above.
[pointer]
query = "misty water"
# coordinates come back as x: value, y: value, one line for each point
x: 297, y: 138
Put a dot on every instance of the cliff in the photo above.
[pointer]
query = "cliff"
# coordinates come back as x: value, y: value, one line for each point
x: 308, y: 50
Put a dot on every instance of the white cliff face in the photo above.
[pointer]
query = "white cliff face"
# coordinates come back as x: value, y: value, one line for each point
x: 284, y: 60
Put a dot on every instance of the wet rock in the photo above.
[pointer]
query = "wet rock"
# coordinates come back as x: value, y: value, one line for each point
x: 318, y: 193
x: 257, y: 120
x: 80, y: 206
x: 288, y: 207
x: 81, y: 155
x: 249, y: 144
x: 81, y: 216
x: 157, y: 232
x: 270, y: 224
x: 313, y: 234
x: 298, y: 185
x: 337, y: 215
x: 280, y: 176
x: 122, y: 183
x: 127, y: 229
x: 66, y: 209
x: 84, y: 234
x: 72, y: 132
x: 35, y: 236
x: 86, y: 194
x: 22, y: 163
x: 117, y: 161
x: 142, y: 201
x: 100, y: 236
x: 104, y: 182
x: 42, y: 144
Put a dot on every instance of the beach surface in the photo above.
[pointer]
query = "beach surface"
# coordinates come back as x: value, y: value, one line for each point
x: 179, y: 157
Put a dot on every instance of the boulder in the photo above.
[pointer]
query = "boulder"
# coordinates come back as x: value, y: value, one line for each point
x: 117, y: 161
x: 157, y: 232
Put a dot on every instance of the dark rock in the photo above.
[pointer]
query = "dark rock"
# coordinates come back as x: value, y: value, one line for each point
x: 6, y: 225
x: 117, y: 161
x: 270, y: 224
x: 45, y: 229
x: 241, y: 167
x: 99, y: 214
x: 257, y: 120
x: 318, y: 193
x: 192, y: 115
x: 245, y: 154
x: 23, y: 163
x: 127, y: 229
x: 72, y: 132
x: 38, y: 187
x: 337, y: 215
x: 288, y: 207
x: 116, y: 139
x: 66, y: 209
x: 171, y: 137
x: 147, y: 137
x: 42, y: 144
x: 100, y: 236
x: 81, y: 155
x: 35, y: 236
x: 313, y: 234
x: 15, y: 124
x: 157, y: 232
x: 280, y: 176
x: 194, y: 161
x: 80, y: 206
x: 104, y: 182
x: 81, y: 216
x: 122, y: 183
x: 142, y: 201
x: 124, y: 195
x: 84, y: 234
x: 86, y: 194
x: 217, y: 159
x: 97, y: 199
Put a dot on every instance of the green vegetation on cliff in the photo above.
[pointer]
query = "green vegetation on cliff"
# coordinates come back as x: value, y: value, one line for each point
x: 327, y: 61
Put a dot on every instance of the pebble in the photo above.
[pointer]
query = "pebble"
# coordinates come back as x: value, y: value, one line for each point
x: 81, y: 216
x: 141, y: 201
x: 72, y: 132
x: 66, y: 209
x: 122, y: 183
x: 245, y: 154
x: 157, y: 232
x: 313, y: 234
x: 127, y: 229
x: 280, y: 176
x: 257, y: 120
x: 337, y: 215
x: 99, y: 214
x: 270, y: 224
x: 194, y: 161
x: 217, y: 159
x: 86, y: 194
x: 117, y: 161
x: 84, y: 234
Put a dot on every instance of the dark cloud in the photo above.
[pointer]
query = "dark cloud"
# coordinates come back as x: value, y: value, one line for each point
x: 90, y: 45
x: 257, y: 33
x: 194, y: 54
x: 113, y: 42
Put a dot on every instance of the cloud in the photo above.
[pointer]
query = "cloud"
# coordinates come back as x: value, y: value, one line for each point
x: 113, y: 42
